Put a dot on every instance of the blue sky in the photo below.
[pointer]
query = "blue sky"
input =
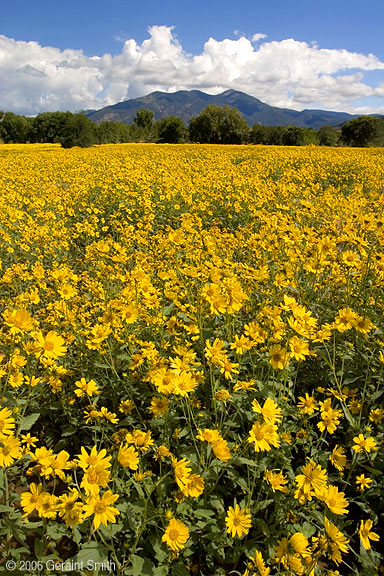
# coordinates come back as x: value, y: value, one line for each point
x: 298, y: 54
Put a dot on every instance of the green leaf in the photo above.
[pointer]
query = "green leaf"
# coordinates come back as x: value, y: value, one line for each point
x: 263, y: 504
x: 137, y: 565
x: 180, y: 569
x: 92, y: 551
x: 160, y: 552
x: 168, y: 309
x: 69, y: 431
x: 248, y: 462
x: 307, y: 529
x: 56, y: 531
x: 203, y: 513
x: 38, y: 548
x: 28, y: 421
x: 4, y: 508
x: 17, y: 531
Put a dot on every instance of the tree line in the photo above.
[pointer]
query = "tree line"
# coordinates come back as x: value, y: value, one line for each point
x: 214, y: 125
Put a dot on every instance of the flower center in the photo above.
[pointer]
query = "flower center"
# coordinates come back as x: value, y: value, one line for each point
x: 173, y: 534
x: 100, y: 508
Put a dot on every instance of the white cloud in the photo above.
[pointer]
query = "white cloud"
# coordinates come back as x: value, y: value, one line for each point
x: 259, y: 36
x: 288, y: 73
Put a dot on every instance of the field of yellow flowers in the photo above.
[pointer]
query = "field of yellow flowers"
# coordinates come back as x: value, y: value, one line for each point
x: 191, y: 360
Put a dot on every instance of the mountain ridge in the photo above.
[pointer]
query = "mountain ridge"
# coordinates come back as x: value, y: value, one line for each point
x: 189, y: 103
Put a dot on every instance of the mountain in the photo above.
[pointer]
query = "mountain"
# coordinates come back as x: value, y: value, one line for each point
x: 189, y: 103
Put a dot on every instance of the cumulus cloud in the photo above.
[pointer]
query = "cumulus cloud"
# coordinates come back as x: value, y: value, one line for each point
x: 258, y: 36
x: 287, y: 73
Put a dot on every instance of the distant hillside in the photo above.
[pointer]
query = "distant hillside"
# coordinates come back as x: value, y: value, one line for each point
x: 187, y: 104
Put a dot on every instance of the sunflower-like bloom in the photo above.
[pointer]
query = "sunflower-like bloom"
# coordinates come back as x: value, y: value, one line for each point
x: 95, y: 477
x: 70, y: 509
x: 184, y: 383
x: 128, y: 457
x: 338, y: 458
x: 194, y: 486
x: 182, y: 471
x: 238, y: 521
x: 256, y: 562
x: 330, y: 419
x: 276, y: 481
x: 84, y: 388
x: 279, y: 357
x: 164, y: 380
x: 10, y: 450
x: 101, y: 508
x: 290, y: 553
x: 366, y: 535
x: 95, y: 458
x: 50, y: 346
x: 159, y: 406
x: 141, y: 440
x: 313, y: 479
x: 18, y: 320
x: 270, y: 411
x: 221, y: 450
x: 307, y: 404
x: 30, y: 501
x: 336, y: 542
x: 335, y: 500
x: 7, y: 423
x: 176, y: 535
x: 361, y: 443
x: 264, y: 436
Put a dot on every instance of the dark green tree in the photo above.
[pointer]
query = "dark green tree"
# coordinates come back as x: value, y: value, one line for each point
x: 48, y: 127
x: 108, y: 133
x: 258, y: 134
x: 15, y: 129
x: 78, y: 131
x: 328, y: 136
x: 363, y: 131
x: 310, y: 136
x: 293, y: 136
x: 219, y: 125
x: 274, y: 135
x: 171, y: 130
x: 144, y: 118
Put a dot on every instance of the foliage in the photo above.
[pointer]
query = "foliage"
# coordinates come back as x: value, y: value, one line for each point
x: 283, y: 135
x: 144, y: 118
x: 192, y: 361
x: 219, y: 125
x: 363, y: 131
x: 171, y: 130
x: 14, y: 128
x: 328, y: 136
x: 78, y: 130
x: 49, y: 127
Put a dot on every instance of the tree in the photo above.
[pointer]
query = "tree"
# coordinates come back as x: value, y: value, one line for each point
x: 293, y: 136
x: 144, y: 118
x: 108, y: 132
x: 15, y: 129
x: 310, y: 137
x: 363, y: 131
x: 274, y: 135
x: 258, y: 134
x: 171, y: 130
x: 78, y: 131
x: 219, y: 125
x: 328, y: 136
x: 48, y: 127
